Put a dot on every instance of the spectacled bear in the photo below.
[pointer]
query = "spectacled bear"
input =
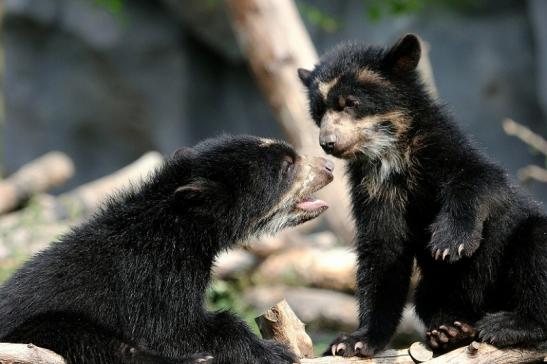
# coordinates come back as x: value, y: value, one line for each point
x: 420, y: 190
x: 128, y: 285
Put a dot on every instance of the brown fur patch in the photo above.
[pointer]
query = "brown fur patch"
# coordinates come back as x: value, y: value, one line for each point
x: 325, y: 87
x: 352, y: 133
x: 367, y: 75
x: 300, y: 185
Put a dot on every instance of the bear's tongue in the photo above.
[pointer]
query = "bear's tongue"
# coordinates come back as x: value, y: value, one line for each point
x: 311, y: 204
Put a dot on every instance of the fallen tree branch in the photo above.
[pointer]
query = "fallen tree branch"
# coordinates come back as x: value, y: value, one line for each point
x: 534, y: 140
x: 85, y: 199
x: 27, y: 354
x: 89, y: 196
x: 281, y: 324
x: 40, y: 175
x: 530, y: 172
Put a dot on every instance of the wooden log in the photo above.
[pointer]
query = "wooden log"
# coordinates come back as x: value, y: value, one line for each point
x: 86, y: 198
x: 281, y: 324
x: 27, y: 354
x: 276, y: 43
x: 419, y: 352
x: 482, y: 353
x: 273, y: 325
x: 28, y: 229
x: 324, y: 268
x: 385, y: 357
x: 534, y: 140
x: 50, y: 170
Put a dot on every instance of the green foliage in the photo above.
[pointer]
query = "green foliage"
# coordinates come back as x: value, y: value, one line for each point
x: 114, y: 6
x: 319, y: 18
x: 10, y: 265
x: 226, y: 296
x: 378, y: 8
x: 375, y: 10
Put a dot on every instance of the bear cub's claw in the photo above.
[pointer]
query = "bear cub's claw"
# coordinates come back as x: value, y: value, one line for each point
x: 201, y: 358
x: 350, y: 345
x: 448, y: 337
x: 447, y: 245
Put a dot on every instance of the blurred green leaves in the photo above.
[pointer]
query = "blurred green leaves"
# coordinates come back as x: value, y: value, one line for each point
x: 114, y: 6
x: 376, y: 9
x: 318, y: 17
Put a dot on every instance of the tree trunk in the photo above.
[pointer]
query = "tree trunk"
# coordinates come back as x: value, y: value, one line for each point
x: 276, y: 43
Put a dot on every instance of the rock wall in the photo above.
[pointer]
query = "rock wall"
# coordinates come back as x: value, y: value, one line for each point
x: 105, y: 88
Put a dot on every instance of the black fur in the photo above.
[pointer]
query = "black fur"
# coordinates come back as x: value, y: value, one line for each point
x: 420, y: 190
x: 128, y: 286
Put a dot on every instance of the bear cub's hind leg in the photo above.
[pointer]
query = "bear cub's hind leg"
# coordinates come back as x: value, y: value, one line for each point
x: 450, y: 336
x: 510, y: 329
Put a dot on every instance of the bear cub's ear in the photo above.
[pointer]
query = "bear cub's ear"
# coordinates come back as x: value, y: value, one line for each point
x: 305, y: 76
x: 183, y: 152
x: 404, y: 56
x: 198, y: 189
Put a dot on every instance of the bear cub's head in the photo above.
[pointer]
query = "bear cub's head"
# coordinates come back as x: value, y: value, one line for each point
x: 250, y: 184
x: 361, y: 97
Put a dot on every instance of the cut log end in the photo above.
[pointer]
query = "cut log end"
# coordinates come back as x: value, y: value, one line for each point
x: 281, y: 324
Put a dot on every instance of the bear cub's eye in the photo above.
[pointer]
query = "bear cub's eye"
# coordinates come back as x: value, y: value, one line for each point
x: 287, y: 164
x: 347, y: 102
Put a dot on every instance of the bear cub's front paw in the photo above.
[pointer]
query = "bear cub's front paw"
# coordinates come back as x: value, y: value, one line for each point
x: 450, y: 243
x: 355, y: 344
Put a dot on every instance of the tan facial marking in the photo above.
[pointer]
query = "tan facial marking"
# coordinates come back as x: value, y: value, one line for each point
x: 366, y: 75
x: 302, y: 179
x: 325, y: 87
x: 358, y: 134
x: 265, y: 142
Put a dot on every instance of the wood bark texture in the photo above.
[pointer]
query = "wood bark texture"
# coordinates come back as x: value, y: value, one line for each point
x: 40, y: 175
x: 27, y: 354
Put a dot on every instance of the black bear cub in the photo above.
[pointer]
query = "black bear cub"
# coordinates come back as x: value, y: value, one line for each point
x: 128, y: 286
x: 421, y: 191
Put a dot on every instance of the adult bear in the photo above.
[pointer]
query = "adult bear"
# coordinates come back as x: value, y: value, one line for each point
x: 128, y: 285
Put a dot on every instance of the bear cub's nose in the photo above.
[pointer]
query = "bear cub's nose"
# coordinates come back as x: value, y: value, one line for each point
x: 328, y: 142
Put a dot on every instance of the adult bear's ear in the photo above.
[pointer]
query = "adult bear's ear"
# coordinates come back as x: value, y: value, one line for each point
x: 183, y: 152
x: 404, y: 56
x: 305, y: 76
